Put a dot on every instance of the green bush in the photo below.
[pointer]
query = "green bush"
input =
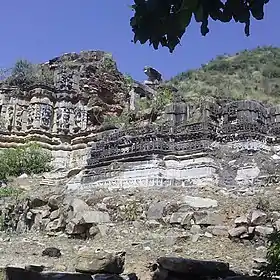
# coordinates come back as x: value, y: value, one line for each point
x: 272, y: 267
x: 23, y: 74
x: 29, y: 159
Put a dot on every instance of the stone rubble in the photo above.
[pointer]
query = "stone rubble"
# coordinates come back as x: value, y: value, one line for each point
x: 76, y: 218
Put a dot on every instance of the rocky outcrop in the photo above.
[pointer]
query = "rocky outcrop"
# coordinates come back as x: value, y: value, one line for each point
x: 64, y: 114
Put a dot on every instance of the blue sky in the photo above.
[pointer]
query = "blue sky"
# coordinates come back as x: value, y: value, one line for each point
x: 39, y: 30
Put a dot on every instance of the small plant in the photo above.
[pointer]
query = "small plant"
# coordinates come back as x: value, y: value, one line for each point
x: 108, y: 62
x: 271, y: 269
x: 9, y: 192
x: 22, y: 74
x: 123, y: 120
x: 29, y: 159
x: 128, y: 80
x: 263, y: 204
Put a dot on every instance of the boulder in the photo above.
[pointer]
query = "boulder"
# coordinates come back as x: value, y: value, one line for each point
x: 156, y: 210
x: 200, y: 202
x: 177, y: 218
x: 218, y: 230
x: 75, y: 228
x: 51, y: 252
x: 93, y: 217
x: 236, y: 232
x: 187, y: 219
x: 77, y: 205
x: 56, y: 225
x: 263, y: 230
x: 54, y: 215
x: 208, y: 218
x: 196, y: 229
x: 55, y: 201
x: 100, y: 262
x: 258, y: 217
x: 192, y: 268
x: 241, y: 220
x: 36, y: 202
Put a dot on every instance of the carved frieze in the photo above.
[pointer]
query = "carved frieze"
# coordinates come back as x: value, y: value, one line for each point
x: 46, y: 116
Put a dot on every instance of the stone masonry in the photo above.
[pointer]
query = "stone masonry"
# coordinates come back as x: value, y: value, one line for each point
x: 225, y: 141
x: 65, y: 114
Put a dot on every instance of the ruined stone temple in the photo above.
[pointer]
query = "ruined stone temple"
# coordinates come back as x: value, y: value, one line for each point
x: 225, y: 141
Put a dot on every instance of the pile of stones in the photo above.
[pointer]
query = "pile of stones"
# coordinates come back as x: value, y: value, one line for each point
x: 198, y: 217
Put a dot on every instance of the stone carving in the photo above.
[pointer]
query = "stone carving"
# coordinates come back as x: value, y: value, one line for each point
x: 19, y: 117
x: 10, y: 117
x: 80, y: 119
x: 46, y: 116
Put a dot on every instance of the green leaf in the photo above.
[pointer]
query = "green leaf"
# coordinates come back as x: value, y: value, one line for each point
x: 198, y: 14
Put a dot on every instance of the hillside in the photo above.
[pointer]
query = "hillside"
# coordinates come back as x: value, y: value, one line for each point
x: 250, y: 74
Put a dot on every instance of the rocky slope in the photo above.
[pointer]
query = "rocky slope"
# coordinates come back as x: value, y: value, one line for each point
x: 249, y: 74
x: 204, y: 222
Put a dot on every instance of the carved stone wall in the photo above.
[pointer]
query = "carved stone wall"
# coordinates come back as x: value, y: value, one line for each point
x: 232, y: 143
x: 64, y: 115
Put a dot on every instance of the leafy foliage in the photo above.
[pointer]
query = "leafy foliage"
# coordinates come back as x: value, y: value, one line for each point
x: 123, y: 120
x: 164, y: 22
x: 9, y: 192
x: 272, y: 267
x: 29, y: 159
x: 251, y: 74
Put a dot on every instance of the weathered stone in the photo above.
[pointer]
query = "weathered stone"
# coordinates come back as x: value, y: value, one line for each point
x: 54, y: 215
x: 100, y: 262
x: 75, y: 228
x: 34, y: 267
x: 93, y: 217
x: 93, y: 231
x: 152, y: 224
x: 236, y: 232
x: 263, y: 230
x: 242, y: 220
x: 218, y: 230
x: 103, y: 229
x: 187, y: 219
x: 37, y: 202
x: 55, y: 201
x: 258, y: 217
x: 156, y: 210
x: 195, y: 237
x: 208, y: 218
x: 56, y: 225
x: 45, y: 213
x: 277, y: 225
x: 78, y: 206
x: 52, y: 252
x: 195, y: 229
x: 190, y: 267
x: 177, y: 218
x: 200, y: 202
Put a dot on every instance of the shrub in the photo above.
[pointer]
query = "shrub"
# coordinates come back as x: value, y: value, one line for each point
x: 29, y: 159
x: 272, y: 267
x: 22, y: 74
x: 25, y: 74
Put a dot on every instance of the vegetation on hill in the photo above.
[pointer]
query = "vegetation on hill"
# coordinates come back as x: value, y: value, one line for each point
x: 250, y: 74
